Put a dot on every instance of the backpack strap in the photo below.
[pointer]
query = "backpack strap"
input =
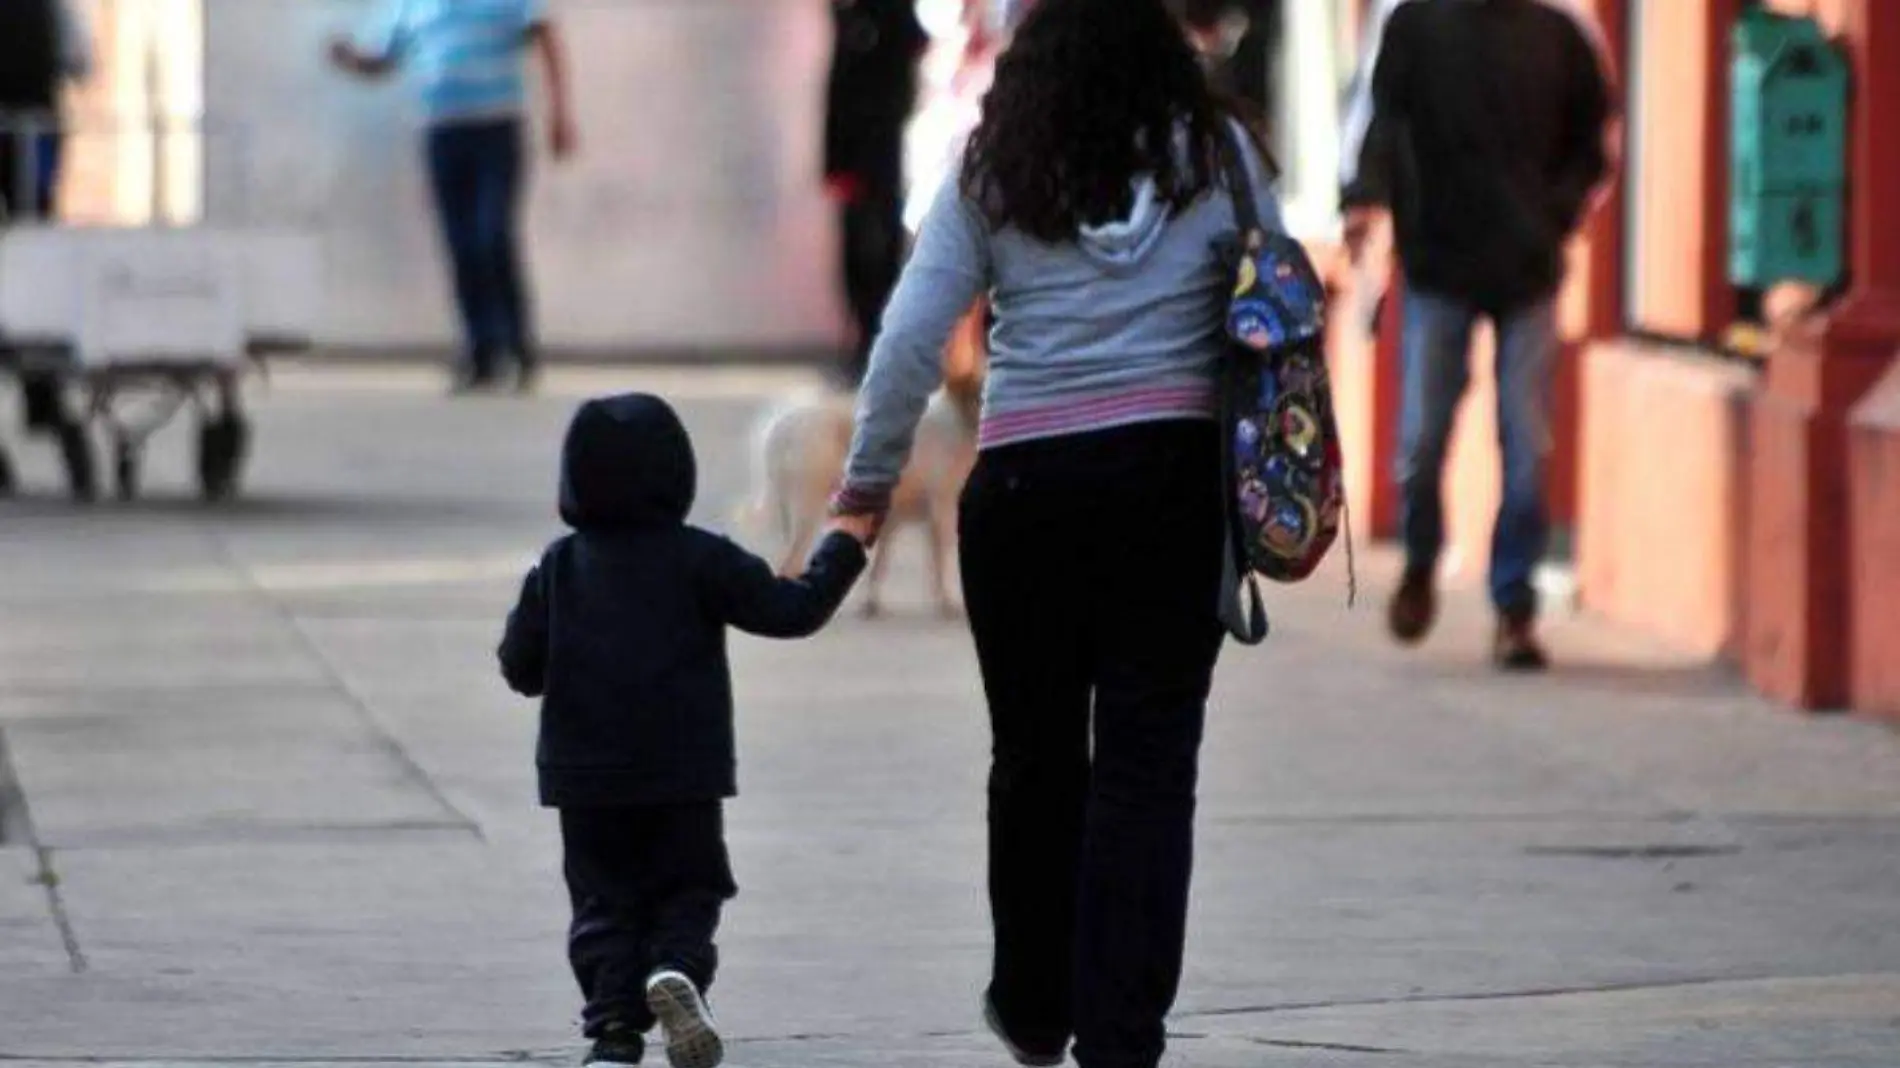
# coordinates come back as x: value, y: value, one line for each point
x: 1240, y: 187
x: 1242, y: 608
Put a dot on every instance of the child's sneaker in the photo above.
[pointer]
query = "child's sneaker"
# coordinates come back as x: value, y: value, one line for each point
x: 619, y: 1046
x: 692, y: 1039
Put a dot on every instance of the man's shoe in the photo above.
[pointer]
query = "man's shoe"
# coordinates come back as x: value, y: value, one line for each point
x: 1029, y: 1058
x: 468, y: 379
x: 692, y: 1038
x: 619, y: 1046
x: 527, y: 378
x: 1414, y: 606
x: 1516, y: 647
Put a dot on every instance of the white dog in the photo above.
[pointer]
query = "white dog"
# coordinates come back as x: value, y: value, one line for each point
x: 799, y: 452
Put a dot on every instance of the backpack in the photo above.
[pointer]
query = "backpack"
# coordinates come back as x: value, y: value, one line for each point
x: 1280, y: 459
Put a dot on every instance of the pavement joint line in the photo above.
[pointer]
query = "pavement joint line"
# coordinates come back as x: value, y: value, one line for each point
x: 18, y: 813
x: 1527, y: 994
x: 385, y: 738
x: 506, y: 1057
x: 566, y: 1056
x: 139, y: 839
x: 1440, y: 819
x: 15, y: 823
x: 1324, y: 1047
x: 147, y: 690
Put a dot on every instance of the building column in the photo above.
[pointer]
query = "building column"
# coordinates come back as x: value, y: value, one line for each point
x: 1802, y: 637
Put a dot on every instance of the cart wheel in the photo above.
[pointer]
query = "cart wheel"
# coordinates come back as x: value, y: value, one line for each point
x: 125, y: 470
x: 75, y: 448
x: 222, y: 445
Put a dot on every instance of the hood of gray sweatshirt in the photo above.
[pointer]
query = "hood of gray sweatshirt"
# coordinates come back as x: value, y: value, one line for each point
x: 1135, y: 306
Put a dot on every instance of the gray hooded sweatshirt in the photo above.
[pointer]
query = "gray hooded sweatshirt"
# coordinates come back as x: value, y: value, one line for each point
x: 1120, y: 326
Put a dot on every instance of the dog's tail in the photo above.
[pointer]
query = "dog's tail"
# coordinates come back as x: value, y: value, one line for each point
x: 751, y: 514
x: 767, y: 511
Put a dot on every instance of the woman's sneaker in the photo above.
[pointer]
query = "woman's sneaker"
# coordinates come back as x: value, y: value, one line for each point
x: 619, y: 1046
x: 692, y: 1038
x: 1028, y: 1058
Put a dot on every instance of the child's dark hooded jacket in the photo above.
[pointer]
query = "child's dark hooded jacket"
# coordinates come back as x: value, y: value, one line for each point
x: 621, y: 628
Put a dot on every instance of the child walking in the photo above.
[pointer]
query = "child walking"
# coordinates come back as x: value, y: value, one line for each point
x: 621, y: 631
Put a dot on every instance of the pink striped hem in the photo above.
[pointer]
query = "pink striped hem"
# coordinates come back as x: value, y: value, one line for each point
x: 1098, y: 413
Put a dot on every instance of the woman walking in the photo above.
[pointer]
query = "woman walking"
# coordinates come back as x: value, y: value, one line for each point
x: 1091, y: 210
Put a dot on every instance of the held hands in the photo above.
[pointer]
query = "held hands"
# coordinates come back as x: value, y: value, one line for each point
x: 863, y: 528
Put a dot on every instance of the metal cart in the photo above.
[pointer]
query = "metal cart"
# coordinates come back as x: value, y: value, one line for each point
x: 128, y: 327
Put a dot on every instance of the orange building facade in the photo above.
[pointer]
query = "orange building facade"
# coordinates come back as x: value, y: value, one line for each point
x: 1744, y: 510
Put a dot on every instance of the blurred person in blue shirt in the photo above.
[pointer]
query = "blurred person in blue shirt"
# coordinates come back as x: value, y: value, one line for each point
x: 466, y: 60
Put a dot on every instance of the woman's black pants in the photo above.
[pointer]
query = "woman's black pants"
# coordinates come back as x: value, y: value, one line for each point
x: 1091, y: 568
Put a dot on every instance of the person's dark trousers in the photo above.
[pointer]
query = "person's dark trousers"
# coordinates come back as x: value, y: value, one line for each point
x: 647, y: 884
x: 478, y: 173
x: 872, y: 230
x: 31, y: 179
x: 1091, y: 570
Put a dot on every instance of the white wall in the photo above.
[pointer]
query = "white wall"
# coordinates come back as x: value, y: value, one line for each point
x: 693, y: 218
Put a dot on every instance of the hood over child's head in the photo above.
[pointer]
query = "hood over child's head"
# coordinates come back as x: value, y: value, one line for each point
x: 628, y: 463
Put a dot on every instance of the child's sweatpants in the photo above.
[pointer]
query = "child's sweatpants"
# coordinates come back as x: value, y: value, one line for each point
x: 647, y: 884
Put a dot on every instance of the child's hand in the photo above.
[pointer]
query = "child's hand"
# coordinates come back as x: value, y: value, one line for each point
x: 862, y: 528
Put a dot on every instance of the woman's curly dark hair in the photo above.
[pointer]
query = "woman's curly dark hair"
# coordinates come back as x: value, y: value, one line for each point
x: 1091, y: 94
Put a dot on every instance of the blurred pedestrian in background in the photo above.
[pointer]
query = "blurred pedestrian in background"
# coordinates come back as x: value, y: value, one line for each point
x: 1240, y: 41
x: 467, y: 61
x: 1484, y: 136
x: 876, y: 47
x: 43, y: 45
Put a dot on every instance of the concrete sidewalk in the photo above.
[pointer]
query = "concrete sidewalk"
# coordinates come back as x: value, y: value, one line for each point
x: 279, y: 810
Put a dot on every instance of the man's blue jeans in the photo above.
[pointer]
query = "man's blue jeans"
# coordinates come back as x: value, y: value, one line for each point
x: 1437, y: 347
x: 476, y: 171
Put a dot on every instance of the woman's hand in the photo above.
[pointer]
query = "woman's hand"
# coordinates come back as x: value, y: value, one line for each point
x: 863, y: 528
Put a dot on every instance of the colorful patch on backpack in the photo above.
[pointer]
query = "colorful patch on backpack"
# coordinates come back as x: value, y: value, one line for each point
x: 1289, y: 482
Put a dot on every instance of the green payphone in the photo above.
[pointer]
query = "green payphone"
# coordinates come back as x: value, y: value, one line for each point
x: 1788, y: 153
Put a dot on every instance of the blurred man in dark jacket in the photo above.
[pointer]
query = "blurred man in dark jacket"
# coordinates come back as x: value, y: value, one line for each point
x: 873, y: 88
x: 1486, y: 142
